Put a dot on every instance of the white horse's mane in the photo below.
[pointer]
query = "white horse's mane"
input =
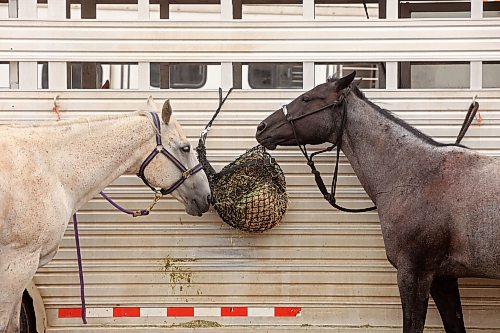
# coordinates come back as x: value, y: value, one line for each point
x: 66, y: 122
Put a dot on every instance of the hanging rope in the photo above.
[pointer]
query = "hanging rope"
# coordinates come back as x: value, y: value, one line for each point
x: 366, y: 9
x: 471, y: 113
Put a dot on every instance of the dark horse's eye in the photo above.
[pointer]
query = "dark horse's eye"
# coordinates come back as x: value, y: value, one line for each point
x: 186, y: 149
x: 306, y: 98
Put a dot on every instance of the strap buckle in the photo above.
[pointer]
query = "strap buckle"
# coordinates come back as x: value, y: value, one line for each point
x: 144, y: 212
x: 137, y: 213
x: 188, y: 173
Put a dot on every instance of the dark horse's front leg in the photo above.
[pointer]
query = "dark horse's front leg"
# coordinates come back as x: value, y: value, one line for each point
x: 414, y: 287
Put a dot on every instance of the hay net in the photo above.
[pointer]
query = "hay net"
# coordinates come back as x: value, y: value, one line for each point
x: 249, y: 193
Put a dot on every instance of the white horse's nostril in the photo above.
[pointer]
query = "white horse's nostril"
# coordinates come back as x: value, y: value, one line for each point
x: 202, y: 205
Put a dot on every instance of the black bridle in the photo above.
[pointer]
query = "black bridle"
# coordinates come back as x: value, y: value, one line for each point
x: 186, y: 173
x: 329, y: 196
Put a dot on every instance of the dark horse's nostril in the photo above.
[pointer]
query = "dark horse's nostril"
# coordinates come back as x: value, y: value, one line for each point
x: 262, y: 126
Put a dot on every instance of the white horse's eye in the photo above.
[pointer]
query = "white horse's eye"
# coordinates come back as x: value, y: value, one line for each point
x: 186, y: 149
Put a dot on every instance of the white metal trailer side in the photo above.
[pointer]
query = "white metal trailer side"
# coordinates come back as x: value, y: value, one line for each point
x: 320, y: 270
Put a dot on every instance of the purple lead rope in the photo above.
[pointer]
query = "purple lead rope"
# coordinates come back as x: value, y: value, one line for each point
x: 142, y: 212
x: 80, y: 269
x: 79, y: 255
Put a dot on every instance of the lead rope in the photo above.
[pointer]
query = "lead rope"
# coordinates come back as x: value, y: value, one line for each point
x: 134, y: 213
x: 80, y: 270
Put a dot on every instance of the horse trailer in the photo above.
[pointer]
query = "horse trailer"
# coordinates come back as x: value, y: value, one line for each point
x: 320, y: 270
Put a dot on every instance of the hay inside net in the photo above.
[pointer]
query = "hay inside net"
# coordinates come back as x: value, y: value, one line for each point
x: 250, y: 193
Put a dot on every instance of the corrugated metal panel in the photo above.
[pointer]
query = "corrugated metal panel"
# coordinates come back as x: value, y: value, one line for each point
x: 329, y: 263
x: 374, y: 40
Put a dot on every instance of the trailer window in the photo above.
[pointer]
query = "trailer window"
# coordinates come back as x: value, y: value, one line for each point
x: 491, y: 74
x: 371, y: 74
x: 188, y: 75
x: 491, y: 9
x: 185, y: 75
x: 434, y: 75
x: 434, y: 9
x: 274, y: 75
x: 91, y: 75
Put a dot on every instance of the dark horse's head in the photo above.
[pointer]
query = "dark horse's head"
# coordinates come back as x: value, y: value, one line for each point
x: 312, y: 116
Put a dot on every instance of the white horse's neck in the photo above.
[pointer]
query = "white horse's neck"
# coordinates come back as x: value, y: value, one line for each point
x: 384, y: 154
x: 88, y: 154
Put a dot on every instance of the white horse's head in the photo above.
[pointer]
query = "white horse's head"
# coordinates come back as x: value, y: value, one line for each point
x: 163, y: 173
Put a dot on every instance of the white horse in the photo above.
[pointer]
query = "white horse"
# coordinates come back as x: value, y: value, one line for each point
x: 48, y: 171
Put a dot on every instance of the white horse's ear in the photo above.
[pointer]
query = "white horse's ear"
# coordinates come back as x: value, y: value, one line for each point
x: 166, y: 112
x: 151, y: 104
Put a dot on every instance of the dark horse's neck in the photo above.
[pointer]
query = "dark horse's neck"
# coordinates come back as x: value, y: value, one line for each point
x: 386, y: 153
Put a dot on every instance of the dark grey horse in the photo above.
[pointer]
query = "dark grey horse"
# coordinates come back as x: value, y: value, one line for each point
x: 439, y: 205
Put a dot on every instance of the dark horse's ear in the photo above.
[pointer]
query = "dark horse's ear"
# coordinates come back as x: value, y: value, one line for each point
x: 345, y: 81
x: 166, y: 112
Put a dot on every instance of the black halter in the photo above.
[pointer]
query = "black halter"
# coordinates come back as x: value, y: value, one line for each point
x: 186, y: 173
x: 330, y: 197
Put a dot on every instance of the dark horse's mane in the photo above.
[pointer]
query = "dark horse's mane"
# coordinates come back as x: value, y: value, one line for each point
x: 391, y: 116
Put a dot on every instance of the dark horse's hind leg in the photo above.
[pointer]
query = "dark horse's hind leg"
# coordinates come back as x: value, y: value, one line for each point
x: 447, y: 298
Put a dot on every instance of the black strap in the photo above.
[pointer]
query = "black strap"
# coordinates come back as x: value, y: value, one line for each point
x: 329, y: 196
x: 204, y: 133
x: 201, y: 148
x: 366, y: 9
x: 471, y: 113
